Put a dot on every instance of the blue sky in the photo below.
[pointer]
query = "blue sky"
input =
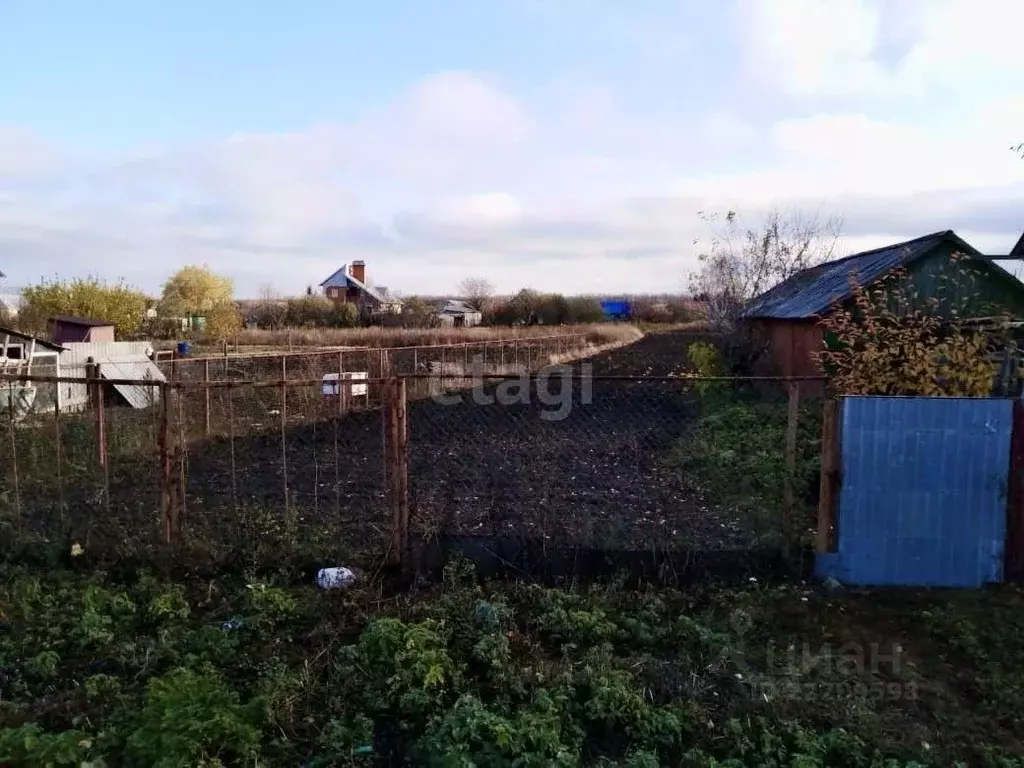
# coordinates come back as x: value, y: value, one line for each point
x: 561, y: 144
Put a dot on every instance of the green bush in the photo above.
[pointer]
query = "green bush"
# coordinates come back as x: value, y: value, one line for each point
x: 30, y: 746
x: 96, y: 669
x: 193, y: 718
x: 706, y: 361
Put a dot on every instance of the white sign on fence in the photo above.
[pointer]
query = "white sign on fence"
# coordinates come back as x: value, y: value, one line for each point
x: 331, y: 383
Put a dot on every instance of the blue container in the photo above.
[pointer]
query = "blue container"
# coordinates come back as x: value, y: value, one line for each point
x: 184, y: 348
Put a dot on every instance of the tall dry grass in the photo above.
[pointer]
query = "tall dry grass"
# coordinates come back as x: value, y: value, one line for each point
x: 597, y: 334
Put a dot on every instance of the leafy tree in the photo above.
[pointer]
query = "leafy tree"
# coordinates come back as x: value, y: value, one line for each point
x: 89, y: 297
x: 195, y: 291
x: 319, y: 312
x: 476, y: 291
x: 890, y: 341
x: 554, y: 309
x: 419, y: 313
x: 521, y: 308
x: 223, y: 321
x: 585, y: 309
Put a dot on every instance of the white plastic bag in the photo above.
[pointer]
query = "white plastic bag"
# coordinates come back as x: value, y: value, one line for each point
x: 335, y: 578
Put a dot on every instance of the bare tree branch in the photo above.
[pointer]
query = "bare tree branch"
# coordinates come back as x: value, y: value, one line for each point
x: 740, y: 264
x: 476, y: 291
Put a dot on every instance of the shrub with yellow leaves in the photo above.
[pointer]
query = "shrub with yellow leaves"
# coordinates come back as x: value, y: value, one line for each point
x: 888, y: 341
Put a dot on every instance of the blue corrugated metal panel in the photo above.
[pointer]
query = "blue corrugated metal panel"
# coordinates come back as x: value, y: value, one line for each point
x: 616, y: 308
x: 813, y: 291
x: 923, y: 498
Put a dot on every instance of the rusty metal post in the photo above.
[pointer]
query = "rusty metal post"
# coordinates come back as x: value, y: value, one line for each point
x: 789, y: 503
x: 206, y: 394
x: 14, y: 450
x: 284, y: 436
x: 401, y: 402
x: 828, y: 485
x: 396, y: 461
x: 95, y: 388
x: 166, y: 476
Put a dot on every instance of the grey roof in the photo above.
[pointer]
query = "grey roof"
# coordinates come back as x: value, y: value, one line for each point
x: 811, y: 292
x: 85, y: 322
x: 39, y: 342
x: 456, y: 307
x: 341, y: 279
x: 134, y: 368
x: 1018, y: 249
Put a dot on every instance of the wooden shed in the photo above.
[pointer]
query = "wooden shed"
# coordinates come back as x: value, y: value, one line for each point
x: 787, y: 316
x: 64, y: 329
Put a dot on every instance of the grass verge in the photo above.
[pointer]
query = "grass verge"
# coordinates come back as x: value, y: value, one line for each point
x: 735, y: 455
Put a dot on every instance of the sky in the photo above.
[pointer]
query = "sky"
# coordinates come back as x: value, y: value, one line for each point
x: 562, y: 145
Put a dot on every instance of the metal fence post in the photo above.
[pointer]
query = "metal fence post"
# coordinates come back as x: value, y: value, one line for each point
x: 396, y: 449
x: 166, y: 478
x: 401, y: 404
x: 788, y: 489
x: 828, y: 485
x: 95, y: 389
x: 206, y: 394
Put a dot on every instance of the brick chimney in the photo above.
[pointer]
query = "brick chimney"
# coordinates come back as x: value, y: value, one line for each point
x: 358, y: 271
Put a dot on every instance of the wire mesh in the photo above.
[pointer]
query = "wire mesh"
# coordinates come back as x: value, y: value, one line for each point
x: 498, y: 355
x: 618, y: 465
x: 294, y: 467
x: 282, y: 470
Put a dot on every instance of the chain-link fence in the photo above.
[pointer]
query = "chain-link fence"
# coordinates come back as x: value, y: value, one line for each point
x: 564, y: 461
x: 494, y: 356
x: 308, y: 469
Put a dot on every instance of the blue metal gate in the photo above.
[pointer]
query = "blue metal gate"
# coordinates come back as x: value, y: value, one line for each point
x: 923, y: 497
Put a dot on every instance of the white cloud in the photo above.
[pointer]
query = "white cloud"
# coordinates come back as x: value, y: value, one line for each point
x: 574, y: 187
x: 882, y: 50
x: 812, y: 46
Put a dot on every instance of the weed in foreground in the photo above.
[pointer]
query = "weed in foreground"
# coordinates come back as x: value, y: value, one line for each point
x: 143, y: 671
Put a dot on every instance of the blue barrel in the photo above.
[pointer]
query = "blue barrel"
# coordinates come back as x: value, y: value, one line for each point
x: 184, y: 348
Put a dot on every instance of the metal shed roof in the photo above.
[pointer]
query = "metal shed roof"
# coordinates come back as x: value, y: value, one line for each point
x: 85, y: 322
x: 137, y: 369
x: 813, y: 291
x: 456, y: 307
x: 48, y: 345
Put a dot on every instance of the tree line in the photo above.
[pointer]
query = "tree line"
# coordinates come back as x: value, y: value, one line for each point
x: 190, y: 292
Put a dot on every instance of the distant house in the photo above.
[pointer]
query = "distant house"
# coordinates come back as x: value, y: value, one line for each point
x: 787, y: 316
x: 348, y: 286
x: 458, y: 314
x: 64, y: 328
